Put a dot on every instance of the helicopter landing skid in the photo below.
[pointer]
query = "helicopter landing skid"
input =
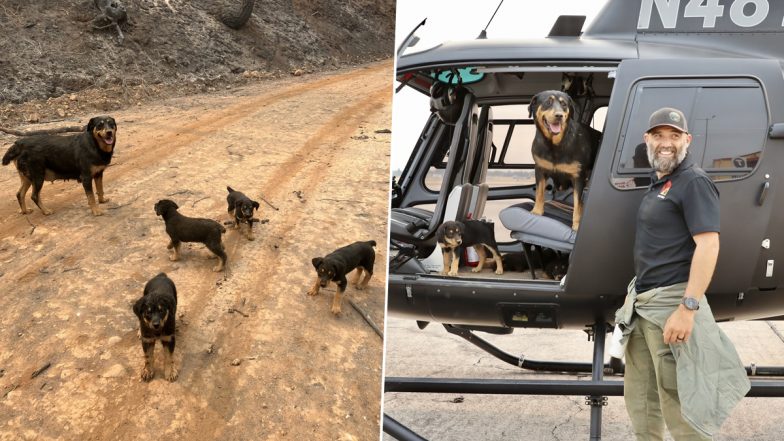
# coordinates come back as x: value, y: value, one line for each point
x: 595, y: 391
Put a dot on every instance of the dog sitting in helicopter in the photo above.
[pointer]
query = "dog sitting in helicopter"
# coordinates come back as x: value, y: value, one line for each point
x: 461, y: 132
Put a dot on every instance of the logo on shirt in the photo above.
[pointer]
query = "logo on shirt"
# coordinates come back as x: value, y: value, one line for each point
x: 665, y: 189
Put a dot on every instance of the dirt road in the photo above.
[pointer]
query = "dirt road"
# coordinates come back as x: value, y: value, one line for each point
x: 68, y: 281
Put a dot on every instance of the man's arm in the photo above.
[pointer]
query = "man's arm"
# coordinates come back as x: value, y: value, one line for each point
x: 681, y: 322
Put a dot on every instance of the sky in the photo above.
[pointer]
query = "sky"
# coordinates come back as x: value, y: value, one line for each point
x: 464, y: 20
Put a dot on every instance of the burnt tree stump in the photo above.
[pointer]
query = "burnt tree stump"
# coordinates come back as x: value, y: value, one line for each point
x: 113, y: 13
x: 236, y: 21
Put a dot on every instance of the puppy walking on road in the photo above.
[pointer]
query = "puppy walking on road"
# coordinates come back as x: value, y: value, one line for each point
x: 190, y: 229
x: 242, y: 207
x: 337, y: 264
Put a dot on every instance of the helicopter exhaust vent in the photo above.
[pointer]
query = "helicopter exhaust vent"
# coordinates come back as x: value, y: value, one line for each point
x: 567, y: 26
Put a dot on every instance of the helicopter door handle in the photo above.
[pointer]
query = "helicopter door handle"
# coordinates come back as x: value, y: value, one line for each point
x: 763, y: 193
x: 776, y: 131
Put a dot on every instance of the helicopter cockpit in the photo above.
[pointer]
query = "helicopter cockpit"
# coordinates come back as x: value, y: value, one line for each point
x: 481, y: 167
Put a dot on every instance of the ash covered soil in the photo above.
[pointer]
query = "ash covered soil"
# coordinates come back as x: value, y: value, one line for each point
x: 257, y: 357
x: 53, y: 51
x: 69, y: 279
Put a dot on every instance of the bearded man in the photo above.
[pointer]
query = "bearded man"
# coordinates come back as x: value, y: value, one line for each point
x: 680, y: 367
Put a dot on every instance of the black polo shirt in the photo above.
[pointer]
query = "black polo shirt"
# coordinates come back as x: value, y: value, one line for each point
x: 675, y: 208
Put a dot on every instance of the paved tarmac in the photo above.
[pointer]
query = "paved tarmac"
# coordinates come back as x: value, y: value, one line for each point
x: 433, y: 352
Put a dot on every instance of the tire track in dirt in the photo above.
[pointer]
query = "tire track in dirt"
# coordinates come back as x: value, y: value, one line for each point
x: 14, y: 223
x: 333, y: 133
x: 214, y: 387
x: 181, y: 136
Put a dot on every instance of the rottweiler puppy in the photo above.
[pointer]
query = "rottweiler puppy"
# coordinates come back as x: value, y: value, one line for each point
x: 241, y: 207
x: 514, y: 262
x: 557, y: 267
x: 563, y: 149
x: 190, y: 229
x: 554, y: 264
x: 156, y: 310
x: 82, y: 157
x: 454, y: 236
x: 337, y: 264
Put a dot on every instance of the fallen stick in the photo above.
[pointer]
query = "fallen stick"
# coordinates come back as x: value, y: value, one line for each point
x: 11, y: 389
x: 179, y: 192
x: 31, y: 224
x: 340, y: 200
x: 367, y: 318
x: 41, y: 369
x: 123, y: 205
x: 268, y: 203
x: 196, y: 202
x: 254, y: 220
x: 42, y: 131
x: 233, y: 310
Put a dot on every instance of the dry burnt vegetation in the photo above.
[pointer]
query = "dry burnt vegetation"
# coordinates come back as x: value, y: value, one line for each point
x: 56, y: 63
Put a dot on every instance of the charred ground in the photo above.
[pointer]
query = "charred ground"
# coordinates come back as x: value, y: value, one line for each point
x: 199, y: 106
x: 58, y: 63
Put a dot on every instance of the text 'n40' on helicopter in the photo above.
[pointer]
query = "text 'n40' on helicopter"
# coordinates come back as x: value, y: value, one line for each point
x: 721, y: 65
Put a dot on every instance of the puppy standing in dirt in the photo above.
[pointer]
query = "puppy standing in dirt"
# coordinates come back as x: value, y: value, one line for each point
x: 189, y: 229
x: 156, y: 310
x: 82, y: 157
x: 242, y: 207
x: 337, y: 264
x: 453, y: 235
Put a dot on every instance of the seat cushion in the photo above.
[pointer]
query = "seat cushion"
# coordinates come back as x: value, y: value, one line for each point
x: 409, y: 225
x: 548, y: 230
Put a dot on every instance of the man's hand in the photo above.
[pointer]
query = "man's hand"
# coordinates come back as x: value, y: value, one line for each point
x: 679, y: 325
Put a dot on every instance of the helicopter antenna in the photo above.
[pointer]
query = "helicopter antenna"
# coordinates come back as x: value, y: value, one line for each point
x: 483, y: 34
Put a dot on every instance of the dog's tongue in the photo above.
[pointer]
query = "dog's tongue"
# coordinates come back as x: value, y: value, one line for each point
x: 555, y: 127
x: 109, y: 140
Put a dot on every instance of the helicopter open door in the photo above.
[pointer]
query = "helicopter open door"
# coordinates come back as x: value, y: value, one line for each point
x: 731, y: 113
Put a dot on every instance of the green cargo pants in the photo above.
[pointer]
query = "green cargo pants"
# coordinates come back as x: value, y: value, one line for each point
x: 650, y: 386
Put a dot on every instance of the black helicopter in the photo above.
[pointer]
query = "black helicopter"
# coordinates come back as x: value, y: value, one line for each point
x: 723, y: 69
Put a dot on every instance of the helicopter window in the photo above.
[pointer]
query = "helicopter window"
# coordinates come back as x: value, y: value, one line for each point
x: 737, y: 126
x: 435, y: 173
x: 728, y: 121
x: 511, y: 163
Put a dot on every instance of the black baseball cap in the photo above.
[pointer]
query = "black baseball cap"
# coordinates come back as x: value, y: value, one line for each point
x: 668, y: 116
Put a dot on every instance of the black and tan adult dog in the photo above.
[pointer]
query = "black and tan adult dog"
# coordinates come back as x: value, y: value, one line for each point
x: 454, y: 235
x: 82, y: 157
x: 241, y: 207
x: 156, y: 310
x: 563, y: 148
x: 190, y: 229
x: 337, y: 264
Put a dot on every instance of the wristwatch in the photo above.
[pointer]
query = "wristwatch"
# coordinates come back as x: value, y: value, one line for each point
x: 691, y: 303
